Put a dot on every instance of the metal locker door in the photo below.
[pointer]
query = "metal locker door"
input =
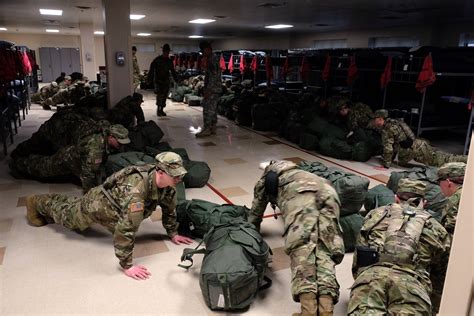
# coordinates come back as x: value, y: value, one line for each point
x: 55, y: 62
x: 65, y: 54
x: 45, y: 64
x: 75, y: 60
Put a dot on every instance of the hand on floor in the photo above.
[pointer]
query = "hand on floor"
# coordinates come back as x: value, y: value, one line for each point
x: 137, y: 272
x: 178, y: 239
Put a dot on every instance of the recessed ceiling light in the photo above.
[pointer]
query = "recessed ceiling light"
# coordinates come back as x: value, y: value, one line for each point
x: 278, y: 26
x: 52, y: 31
x: 3, y: 28
x: 143, y: 34
x: 51, y: 12
x: 99, y: 32
x: 202, y: 21
x: 136, y: 16
x: 195, y: 36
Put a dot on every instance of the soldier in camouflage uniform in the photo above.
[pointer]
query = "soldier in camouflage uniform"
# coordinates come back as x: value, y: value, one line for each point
x: 136, y: 69
x: 397, y: 137
x: 67, y: 96
x: 356, y: 116
x: 313, y: 238
x: 65, y: 83
x: 159, y: 76
x: 45, y: 92
x: 126, y: 198
x: 398, y: 247
x: 85, y: 159
x: 212, y: 89
x: 451, y: 178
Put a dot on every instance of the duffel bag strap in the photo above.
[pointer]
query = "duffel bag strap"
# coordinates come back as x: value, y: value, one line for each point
x: 267, y: 284
x: 188, y: 255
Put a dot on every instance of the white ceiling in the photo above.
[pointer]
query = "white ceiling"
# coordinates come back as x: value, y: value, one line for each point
x: 169, y: 18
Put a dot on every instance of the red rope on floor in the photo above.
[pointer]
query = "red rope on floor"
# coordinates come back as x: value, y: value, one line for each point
x: 222, y: 196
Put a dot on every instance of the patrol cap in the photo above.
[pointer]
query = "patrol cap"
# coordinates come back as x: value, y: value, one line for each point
x: 54, y: 84
x: 453, y: 171
x: 67, y: 78
x: 171, y: 163
x: 120, y: 133
x: 406, y: 185
x: 381, y: 113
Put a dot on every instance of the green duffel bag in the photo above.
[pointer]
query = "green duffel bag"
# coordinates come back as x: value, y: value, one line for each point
x: 234, y: 265
x: 198, y: 173
x: 351, y: 189
x: 435, y: 199
x: 196, y: 217
x: 336, y: 148
x: 194, y: 100
x: 351, y: 225
x: 180, y: 151
x: 379, y: 195
x: 313, y: 166
x: 317, y: 126
x: 362, y: 151
x: 309, y: 141
x: 186, y: 97
x: 119, y: 161
x: 177, y: 94
x: 180, y: 192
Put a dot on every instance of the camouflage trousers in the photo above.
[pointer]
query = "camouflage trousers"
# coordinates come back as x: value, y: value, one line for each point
x: 78, y: 213
x: 381, y: 290
x: 422, y: 152
x: 311, y: 244
x: 65, y: 161
x: 61, y: 97
x: 161, y: 92
x: 209, y: 108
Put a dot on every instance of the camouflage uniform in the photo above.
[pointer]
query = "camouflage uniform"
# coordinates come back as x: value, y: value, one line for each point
x: 126, y: 198
x: 406, y: 246
x: 68, y: 96
x: 313, y: 238
x: 359, y: 116
x: 159, y: 75
x: 127, y: 110
x: 136, y: 72
x: 394, y: 132
x: 212, y: 92
x: 85, y: 159
x: 45, y: 92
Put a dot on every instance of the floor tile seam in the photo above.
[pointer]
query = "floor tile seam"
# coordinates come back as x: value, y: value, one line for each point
x: 294, y: 147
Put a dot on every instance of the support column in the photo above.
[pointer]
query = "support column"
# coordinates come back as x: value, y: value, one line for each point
x: 88, y: 60
x: 117, y: 29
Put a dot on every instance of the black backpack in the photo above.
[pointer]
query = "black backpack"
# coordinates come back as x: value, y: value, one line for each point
x: 234, y: 265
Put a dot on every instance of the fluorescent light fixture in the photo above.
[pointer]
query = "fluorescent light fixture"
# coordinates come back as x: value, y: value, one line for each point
x: 3, y: 28
x: 195, y: 36
x: 51, y: 12
x: 99, y: 32
x: 143, y: 34
x: 278, y: 26
x: 202, y: 21
x: 52, y: 31
x: 136, y: 16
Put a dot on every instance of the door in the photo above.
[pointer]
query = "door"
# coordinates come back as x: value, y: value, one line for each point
x: 55, y: 63
x: 66, y: 63
x: 45, y: 64
x: 76, y: 60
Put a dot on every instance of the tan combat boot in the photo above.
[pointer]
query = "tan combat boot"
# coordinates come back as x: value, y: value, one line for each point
x: 33, y: 216
x: 204, y: 133
x: 326, y: 305
x: 309, y: 306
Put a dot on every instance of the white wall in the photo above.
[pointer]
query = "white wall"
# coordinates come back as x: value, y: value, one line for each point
x: 281, y: 41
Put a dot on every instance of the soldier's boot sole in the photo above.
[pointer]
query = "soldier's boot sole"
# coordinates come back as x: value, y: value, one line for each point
x: 204, y: 133
x: 33, y: 216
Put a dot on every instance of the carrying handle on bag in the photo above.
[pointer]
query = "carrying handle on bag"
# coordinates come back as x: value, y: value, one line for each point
x: 188, y: 256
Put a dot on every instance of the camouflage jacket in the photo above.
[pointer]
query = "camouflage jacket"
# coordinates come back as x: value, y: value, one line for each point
x: 137, y: 197
x: 450, y: 211
x: 160, y: 69
x: 394, y: 132
x: 321, y: 199
x: 136, y: 71
x: 431, y: 250
x: 359, y: 116
x: 125, y: 112
x: 212, y: 77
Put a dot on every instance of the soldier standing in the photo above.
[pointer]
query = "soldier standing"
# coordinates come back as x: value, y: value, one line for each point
x: 136, y: 69
x: 398, y: 247
x: 126, y: 198
x: 159, y: 75
x: 397, y: 137
x: 313, y: 238
x: 84, y: 159
x: 212, y: 89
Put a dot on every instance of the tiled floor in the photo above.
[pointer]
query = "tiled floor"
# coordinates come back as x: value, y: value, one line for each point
x: 54, y: 271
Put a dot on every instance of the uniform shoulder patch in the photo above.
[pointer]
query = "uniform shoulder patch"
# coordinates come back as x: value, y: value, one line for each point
x: 136, y: 207
x: 98, y: 161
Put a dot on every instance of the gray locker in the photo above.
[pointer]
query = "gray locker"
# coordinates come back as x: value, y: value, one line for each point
x: 54, y: 60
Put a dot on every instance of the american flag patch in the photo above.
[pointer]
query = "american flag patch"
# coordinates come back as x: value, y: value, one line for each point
x: 136, y: 207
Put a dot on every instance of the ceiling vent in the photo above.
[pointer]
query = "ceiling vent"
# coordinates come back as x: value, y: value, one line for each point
x: 220, y: 16
x: 83, y: 7
x: 271, y: 5
x: 51, y: 22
